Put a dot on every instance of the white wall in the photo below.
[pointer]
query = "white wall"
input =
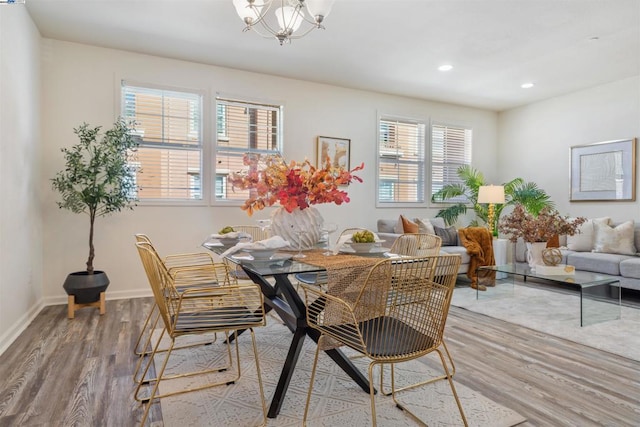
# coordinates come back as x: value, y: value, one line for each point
x: 80, y: 83
x: 535, y: 141
x: 20, y: 182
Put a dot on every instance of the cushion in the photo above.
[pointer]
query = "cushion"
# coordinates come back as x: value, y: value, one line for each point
x: 399, y: 228
x: 424, y: 226
x: 448, y: 235
x: 554, y: 242
x: 409, y: 226
x: 618, y: 240
x: 386, y: 225
x: 582, y: 241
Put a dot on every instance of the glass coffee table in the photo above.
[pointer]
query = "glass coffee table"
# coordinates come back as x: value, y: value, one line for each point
x: 600, y: 294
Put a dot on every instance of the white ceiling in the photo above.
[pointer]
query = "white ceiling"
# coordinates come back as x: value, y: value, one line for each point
x: 392, y: 46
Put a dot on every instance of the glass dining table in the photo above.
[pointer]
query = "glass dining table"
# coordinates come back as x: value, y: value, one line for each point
x: 281, y: 297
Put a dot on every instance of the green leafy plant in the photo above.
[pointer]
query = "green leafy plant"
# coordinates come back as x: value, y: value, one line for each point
x: 98, y: 178
x: 516, y: 191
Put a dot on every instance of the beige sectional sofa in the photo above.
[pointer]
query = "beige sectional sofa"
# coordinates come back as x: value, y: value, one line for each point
x: 388, y: 230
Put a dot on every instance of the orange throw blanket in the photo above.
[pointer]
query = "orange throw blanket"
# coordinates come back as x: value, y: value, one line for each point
x: 479, y: 244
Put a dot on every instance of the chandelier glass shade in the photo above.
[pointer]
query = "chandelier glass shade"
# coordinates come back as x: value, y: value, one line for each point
x: 289, y: 15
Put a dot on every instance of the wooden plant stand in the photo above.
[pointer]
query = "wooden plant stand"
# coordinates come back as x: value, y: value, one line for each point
x: 72, y: 306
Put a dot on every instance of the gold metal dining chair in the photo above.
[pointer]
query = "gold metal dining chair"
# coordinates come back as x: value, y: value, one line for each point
x: 398, y: 315
x: 198, y: 269
x: 417, y: 244
x: 216, y: 309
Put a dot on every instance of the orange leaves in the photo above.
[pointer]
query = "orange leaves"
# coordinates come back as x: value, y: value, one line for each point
x: 294, y: 185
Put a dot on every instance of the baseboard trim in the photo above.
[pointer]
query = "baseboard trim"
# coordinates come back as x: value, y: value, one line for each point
x: 18, y: 327
x: 138, y: 293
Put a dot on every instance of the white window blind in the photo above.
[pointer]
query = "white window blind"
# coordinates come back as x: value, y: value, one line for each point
x: 450, y: 149
x: 171, y: 149
x: 401, y: 161
x: 243, y: 127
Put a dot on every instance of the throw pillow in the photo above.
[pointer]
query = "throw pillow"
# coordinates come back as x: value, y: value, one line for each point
x: 448, y: 235
x: 554, y: 242
x: 409, y: 226
x: 425, y: 226
x: 582, y: 241
x: 399, y: 228
x: 618, y: 240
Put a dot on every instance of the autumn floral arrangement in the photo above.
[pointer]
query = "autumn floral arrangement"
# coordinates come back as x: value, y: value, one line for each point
x: 538, y: 228
x: 271, y: 180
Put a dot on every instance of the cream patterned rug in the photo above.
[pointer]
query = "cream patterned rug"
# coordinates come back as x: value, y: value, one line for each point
x: 337, y: 400
x: 557, y: 314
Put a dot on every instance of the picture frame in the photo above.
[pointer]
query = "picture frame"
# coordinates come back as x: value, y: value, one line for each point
x: 337, y: 149
x: 604, y: 171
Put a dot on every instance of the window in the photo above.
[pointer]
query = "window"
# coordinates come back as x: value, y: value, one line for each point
x: 243, y: 127
x: 169, y: 124
x: 401, y: 161
x: 450, y: 149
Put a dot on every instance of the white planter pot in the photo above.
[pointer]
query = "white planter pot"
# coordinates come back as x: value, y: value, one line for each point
x: 300, y: 227
x: 534, y: 253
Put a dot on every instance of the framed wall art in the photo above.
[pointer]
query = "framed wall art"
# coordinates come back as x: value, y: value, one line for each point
x: 605, y: 171
x: 336, y: 149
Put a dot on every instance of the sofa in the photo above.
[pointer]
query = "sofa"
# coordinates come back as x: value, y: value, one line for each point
x: 389, y: 230
x: 601, y: 247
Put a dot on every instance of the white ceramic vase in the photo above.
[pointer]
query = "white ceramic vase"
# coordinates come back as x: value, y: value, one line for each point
x: 534, y: 253
x: 289, y: 226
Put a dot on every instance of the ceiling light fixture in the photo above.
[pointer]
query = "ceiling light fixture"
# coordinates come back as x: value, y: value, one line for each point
x: 445, y: 67
x: 289, y: 14
x: 12, y: 1
x: 526, y: 85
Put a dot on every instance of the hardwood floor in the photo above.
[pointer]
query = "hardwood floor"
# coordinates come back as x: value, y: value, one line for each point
x: 77, y: 372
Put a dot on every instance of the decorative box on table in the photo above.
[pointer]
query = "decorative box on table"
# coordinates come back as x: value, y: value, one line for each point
x: 556, y: 270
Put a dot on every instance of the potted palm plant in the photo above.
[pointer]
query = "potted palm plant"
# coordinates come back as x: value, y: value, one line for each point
x: 464, y: 195
x: 97, y: 180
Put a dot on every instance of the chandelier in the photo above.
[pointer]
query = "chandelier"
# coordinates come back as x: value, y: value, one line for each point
x: 289, y: 15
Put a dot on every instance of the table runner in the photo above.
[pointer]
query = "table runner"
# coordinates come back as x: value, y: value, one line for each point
x: 346, y: 275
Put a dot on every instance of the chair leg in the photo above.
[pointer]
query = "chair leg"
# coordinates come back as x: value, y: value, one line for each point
x: 260, y: 385
x: 441, y: 377
x: 157, y: 384
x: 447, y: 375
x: 137, y: 351
x: 313, y: 376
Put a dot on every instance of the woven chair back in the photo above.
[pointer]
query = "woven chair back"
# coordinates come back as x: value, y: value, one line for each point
x: 256, y: 232
x: 417, y: 245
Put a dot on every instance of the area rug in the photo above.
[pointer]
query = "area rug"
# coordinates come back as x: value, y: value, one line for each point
x: 336, y: 400
x: 554, y: 313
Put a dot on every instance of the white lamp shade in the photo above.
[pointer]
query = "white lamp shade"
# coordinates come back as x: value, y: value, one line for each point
x: 288, y: 18
x: 491, y: 194
x: 245, y: 11
x: 319, y: 7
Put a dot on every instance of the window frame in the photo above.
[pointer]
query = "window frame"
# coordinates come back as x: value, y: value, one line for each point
x: 216, y: 101
x: 451, y: 124
x: 425, y: 162
x: 205, y: 151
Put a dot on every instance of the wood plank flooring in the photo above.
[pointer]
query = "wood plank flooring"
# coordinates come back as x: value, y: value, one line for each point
x: 77, y: 372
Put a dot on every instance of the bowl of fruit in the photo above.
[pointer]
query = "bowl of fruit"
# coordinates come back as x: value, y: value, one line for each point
x: 228, y: 236
x: 363, y: 241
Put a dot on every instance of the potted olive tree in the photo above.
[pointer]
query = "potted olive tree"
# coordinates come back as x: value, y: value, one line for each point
x: 98, y: 179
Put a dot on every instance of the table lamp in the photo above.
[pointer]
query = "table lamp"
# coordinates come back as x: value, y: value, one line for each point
x: 491, y: 194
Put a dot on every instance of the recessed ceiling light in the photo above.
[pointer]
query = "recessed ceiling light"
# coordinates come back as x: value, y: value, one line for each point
x: 528, y: 85
x: 445, y: 67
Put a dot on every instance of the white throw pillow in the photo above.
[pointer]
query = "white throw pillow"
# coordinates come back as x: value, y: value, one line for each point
x: 425, y: 226
x: 582, y: 241
x: 399, y: 228
x: 618, y: 240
